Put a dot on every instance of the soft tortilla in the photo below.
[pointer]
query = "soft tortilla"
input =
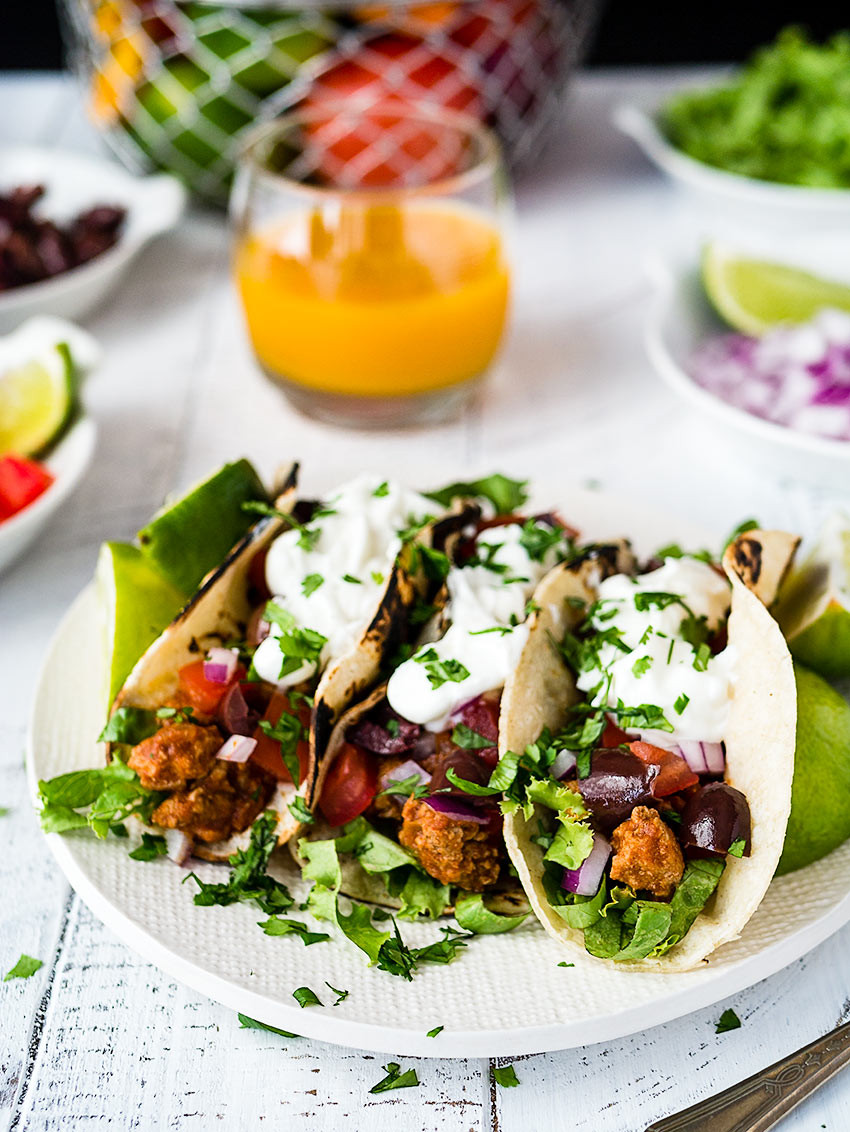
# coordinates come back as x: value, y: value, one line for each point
x: 760, y: 743
x: 508, y: 898
x: 220, y: 611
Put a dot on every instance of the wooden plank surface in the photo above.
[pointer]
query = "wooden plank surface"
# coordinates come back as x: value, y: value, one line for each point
x: 98, y: 1038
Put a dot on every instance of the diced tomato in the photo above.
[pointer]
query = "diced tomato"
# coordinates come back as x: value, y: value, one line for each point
x: 267, y: 751
x: 257, y: 575
x: 613, y: 736
x: 674, y: 775
x: 21, y: 482
x: 203, y: 694
x: 351, y: 785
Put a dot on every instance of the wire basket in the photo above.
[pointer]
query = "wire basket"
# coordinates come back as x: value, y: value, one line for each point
x: 174, y: 84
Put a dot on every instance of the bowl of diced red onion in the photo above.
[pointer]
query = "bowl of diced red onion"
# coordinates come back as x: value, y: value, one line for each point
x: 783, y: 397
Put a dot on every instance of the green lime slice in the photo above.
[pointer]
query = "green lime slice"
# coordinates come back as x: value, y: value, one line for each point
x: 136, y: 603
x: 813, y: 607
x: 753, y: 295
x: 36, y: 402
x: 188, y: 538
x: 820, y: 816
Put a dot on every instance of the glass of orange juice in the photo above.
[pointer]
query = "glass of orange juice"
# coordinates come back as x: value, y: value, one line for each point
x: 370, y: 257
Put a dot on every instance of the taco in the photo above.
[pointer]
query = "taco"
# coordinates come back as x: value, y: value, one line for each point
x: 408, y: 812
x: 243, y: 689
x: 655, y: 720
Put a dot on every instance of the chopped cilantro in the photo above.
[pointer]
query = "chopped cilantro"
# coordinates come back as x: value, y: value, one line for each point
x: 305, y: 997
x: 377, y: 578
x: 442, y: 671
x: 505, y: 1075
x: 728, y: 1020
x: 641, y: 666
x: 502, y: 630
x: 505, y: 494
x: 395, y: 1079
x: 176, y: 714
x: 463, y: 736
x: 352, y: 580
x: 702, y: 655
x: 433, y: 1033
x: 381, y: 490
x: 539, y: 539
x: 25, y: 967
x: 298, y: 646
x: 405, y: 787
x: 311, y: 583
x: 288, y: 731
x: 681, y: 703
x: 564, y: 963
x: 276, y: 926
x: 151, y: 848
x: 248, y: 878
x: 342, y: 995
x: 299, y: 810
x: 247, y: 1023
x: 393, y: 727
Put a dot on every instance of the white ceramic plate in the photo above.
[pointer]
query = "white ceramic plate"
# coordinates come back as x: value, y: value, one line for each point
x: 68, y: 462
x: 740, y: 197
x: 505, y: 995
x: 75, y: 183
x: 682, y: 318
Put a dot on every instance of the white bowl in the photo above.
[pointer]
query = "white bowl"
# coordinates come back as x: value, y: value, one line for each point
x: 73, y: 184
x: 68, y: 462
x: 681, y: 319
x: 745, y: 199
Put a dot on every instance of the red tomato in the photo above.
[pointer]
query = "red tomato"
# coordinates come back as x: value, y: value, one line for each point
x: 675, y: 774
x: 21, y: 482
x: 613, y: 736
x: 388, y: 71
x: 203, y: 694
x: 351, y: 785
x: 267, y: 751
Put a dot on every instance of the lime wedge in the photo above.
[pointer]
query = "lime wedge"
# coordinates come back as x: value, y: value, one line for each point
x: 136, y: 603
x: 36, y: 402
x: 188, y: 538
x: 820, y: 816
x: 752, y: 295
x: 813, y: 607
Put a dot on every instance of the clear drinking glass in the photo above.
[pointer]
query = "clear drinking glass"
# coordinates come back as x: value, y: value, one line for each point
x: 370, y: 259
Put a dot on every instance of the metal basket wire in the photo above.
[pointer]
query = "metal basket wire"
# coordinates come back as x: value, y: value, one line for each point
x: 174, y: 84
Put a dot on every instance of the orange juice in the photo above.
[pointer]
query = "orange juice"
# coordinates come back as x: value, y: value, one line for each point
x: 375, y: 300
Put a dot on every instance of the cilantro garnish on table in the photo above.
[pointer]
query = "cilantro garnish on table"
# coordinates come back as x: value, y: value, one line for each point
x: 395, y: 1079
x: 246, y: 1023
x: 25, y: 967
x: 505, y: 1075
x: 727, y: 1021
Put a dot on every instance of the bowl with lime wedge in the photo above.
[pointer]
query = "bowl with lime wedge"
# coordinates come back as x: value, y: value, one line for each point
x: 46, y: 443
x: 762, y: 348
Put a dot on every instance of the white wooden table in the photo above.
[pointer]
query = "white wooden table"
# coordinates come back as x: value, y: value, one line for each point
x: 98, y: 1038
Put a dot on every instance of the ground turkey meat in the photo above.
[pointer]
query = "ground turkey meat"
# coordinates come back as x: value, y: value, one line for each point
x: 177, y: 753
x: 454, y: 852
x: 224, y: 802
x: 646, y: 853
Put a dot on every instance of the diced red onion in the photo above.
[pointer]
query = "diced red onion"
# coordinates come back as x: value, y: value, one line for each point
x: 403, y: 771
x: 178, y: 846
x: 796, y: 376
x: 258, y: 628
x: 220, y: 665
x: 715, y: 757
x: 236, y: 749
x: 693, y: 754
x: 563, y: 764
x: 457, y: 809
x: 584, y: 881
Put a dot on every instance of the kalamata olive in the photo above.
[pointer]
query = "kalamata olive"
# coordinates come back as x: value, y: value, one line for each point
x: 618, y: 781
x: 714, y: 818
x: 465, y: 764
x: 374, y: 735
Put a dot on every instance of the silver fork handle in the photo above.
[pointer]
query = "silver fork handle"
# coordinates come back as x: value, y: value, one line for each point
x: 760, y: 1102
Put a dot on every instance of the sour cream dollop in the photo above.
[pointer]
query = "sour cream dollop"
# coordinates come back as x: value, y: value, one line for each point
x: 487, y: 609
x: 333, y: 585
x: 659, y: 668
